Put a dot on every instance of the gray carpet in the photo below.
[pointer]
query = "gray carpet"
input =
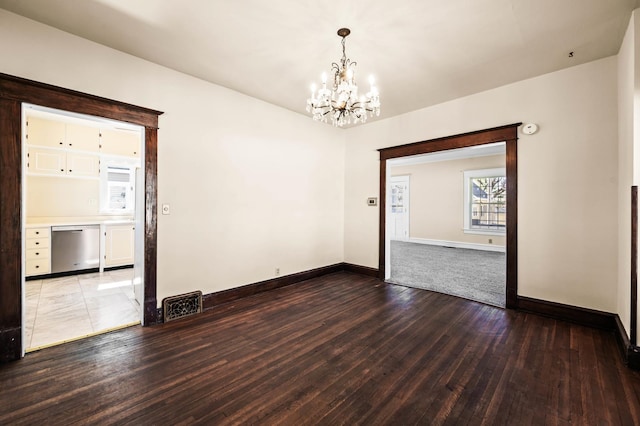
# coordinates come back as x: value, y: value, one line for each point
x: 472, y: 274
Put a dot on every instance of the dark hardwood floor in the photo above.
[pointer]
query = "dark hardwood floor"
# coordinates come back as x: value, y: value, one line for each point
x: 341, y: 349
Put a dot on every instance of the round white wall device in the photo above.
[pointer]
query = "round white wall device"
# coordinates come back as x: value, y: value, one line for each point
x: 529, y: 129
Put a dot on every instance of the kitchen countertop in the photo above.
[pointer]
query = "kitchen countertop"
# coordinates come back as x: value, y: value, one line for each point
x: 34, y: 222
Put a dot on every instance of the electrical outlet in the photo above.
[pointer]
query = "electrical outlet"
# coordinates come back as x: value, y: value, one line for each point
x: 490, y: 240
x: 277, y: 272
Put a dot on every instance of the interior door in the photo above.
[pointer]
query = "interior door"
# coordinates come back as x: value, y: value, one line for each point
x: 399, y: 208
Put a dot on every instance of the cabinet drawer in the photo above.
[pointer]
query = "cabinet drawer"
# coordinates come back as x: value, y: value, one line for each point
x: 38, y: 254
x: 37, y: 267
x: 37, y: 233
x: 33, y: 243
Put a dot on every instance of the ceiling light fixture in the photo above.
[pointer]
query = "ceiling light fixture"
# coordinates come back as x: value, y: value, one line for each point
x: 342, y: 103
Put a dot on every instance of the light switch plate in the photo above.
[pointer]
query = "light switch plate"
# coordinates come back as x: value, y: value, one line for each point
x: 166, y: 209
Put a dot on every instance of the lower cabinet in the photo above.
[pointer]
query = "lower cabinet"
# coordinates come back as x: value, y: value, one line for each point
x: 37, y: 251
x: 119, y: 245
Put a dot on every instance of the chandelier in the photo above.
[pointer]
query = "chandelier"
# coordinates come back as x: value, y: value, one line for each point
x: 341, y: 103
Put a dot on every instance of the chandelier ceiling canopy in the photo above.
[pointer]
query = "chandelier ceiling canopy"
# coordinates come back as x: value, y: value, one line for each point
x: 341, y: 103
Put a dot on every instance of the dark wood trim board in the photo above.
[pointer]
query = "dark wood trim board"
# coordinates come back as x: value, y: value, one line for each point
x: 214, y: 299
x: 508, y: 134
x: 14, y: 91
x: 574, y: 314
x: 633, y: 328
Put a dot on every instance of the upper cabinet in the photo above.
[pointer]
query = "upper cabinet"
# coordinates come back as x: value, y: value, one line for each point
x: 125, y: 143
x: 68, y: 148
x: 83, y: 138
x: 50, y: 133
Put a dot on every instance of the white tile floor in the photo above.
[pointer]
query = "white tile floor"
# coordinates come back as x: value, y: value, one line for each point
x: 67, y: 308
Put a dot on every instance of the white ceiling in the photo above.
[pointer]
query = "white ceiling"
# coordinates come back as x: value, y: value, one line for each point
x: 421, y: 52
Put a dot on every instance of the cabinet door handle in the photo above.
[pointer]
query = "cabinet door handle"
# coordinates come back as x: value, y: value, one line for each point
x: 37, y: 266
x: 37, y: 232
x: 62, y: 170
x: 37, y: 242
x: 60, y: 142
x: 70, y: 170
x: 37, y: 254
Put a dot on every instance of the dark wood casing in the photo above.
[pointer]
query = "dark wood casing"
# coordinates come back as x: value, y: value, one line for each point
x: 15, y: 91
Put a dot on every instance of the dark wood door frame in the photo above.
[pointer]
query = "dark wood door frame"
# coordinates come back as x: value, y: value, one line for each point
x: 13, y: 92
x: 507, y: 134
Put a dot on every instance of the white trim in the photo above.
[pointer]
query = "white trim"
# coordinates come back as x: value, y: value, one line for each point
x: 458, y: 244
x: 479, y: 231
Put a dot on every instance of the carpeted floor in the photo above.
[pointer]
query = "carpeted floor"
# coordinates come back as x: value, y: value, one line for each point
x: 472, y: 274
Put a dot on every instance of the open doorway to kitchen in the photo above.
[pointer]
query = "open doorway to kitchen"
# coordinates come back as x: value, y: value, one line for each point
x: 81, y: 180
x: 508, y: 135
x: 14, y: 91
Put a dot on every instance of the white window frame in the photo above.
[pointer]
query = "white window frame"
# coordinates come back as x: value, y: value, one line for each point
x: 472, y: 174
x: 119, y: 163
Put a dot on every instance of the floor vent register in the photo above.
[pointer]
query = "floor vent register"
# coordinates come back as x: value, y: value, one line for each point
x: 182, y: 305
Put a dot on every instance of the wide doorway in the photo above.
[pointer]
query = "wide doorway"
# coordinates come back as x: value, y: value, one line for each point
x: 82, y: 216
x: 447, y: 230
x: 508, y: 213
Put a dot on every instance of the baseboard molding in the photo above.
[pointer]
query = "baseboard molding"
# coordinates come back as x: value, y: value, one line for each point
x: 211, y: 300
x: 115, y: 268
x: 630, y: 353
x: 588, y: 317
x: 458, y: 244
x: 574, y: 314
x: 362, y: 270
x: 214, y: 299
x: 11, y: 343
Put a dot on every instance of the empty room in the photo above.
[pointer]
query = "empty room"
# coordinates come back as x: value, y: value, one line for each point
x: 258, y: 213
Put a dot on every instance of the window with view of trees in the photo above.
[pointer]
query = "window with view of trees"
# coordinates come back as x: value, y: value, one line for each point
x: 485, y: 201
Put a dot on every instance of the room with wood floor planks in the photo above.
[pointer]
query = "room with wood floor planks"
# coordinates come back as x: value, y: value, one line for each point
x: 340, y: 349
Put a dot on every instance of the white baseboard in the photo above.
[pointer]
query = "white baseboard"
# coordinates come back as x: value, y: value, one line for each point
x: 457, y: 244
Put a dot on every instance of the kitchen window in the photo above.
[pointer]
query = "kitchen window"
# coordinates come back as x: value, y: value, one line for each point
x: 118, y: 189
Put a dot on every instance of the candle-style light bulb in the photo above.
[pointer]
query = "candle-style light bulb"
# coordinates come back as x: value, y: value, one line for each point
x: 349, y: 75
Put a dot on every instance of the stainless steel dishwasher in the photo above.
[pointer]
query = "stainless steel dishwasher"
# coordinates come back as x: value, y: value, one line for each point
x: 75, y: 248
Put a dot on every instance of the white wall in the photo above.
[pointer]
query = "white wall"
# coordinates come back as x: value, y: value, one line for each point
x: 567, y: 251
x: 53, y: 196
x: 628, y: 156
x: 252, y: 186
x: 626, y: 57
x: 436, y: 199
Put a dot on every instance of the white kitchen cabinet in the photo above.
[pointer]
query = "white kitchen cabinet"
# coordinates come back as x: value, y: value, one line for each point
x: 119, y: 245
x: 51, y: 133
x: 46, y: 161
x: 80, y: 164
x: 125, y: 143
x: 43, y: 132
x: 37, y: 251
x: 83, y: 138
x: 62, y: 162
